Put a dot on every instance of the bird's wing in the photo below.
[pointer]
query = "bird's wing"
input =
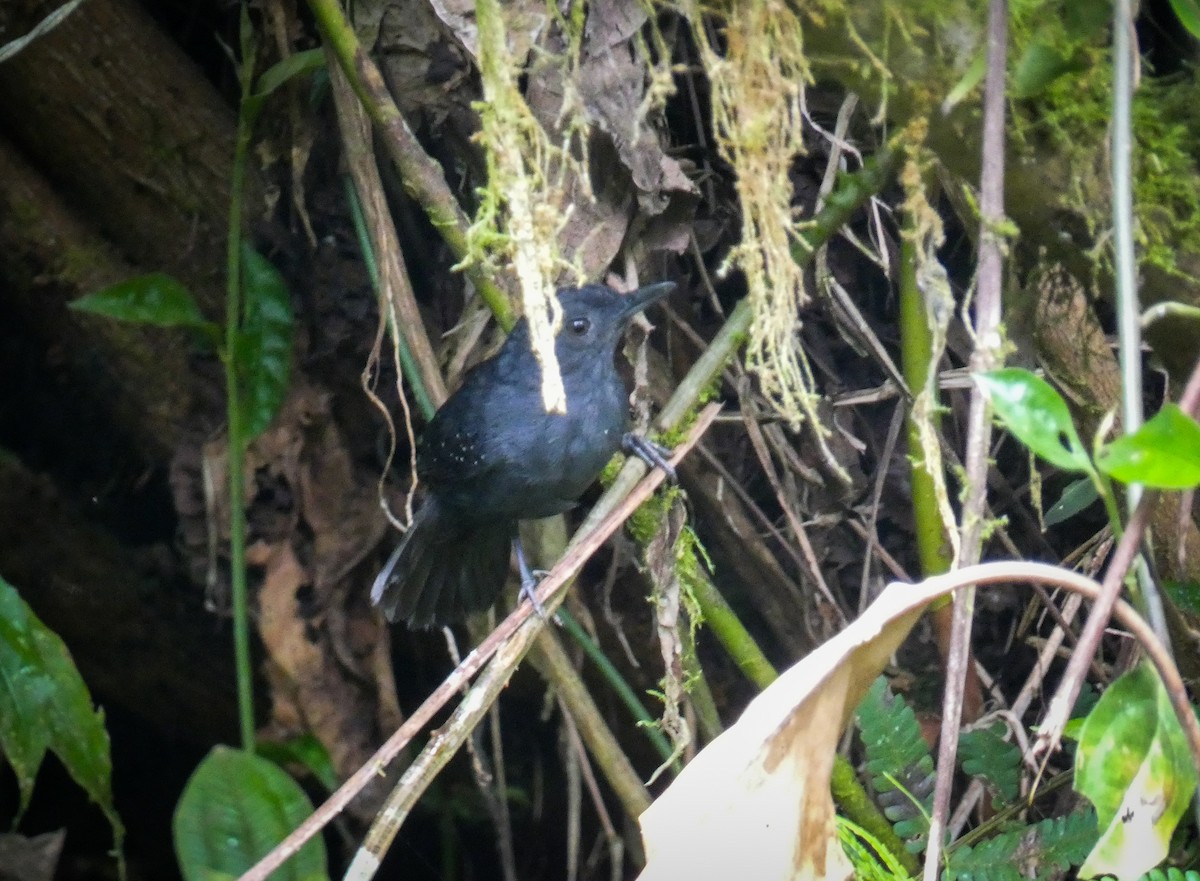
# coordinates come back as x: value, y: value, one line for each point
x: 454, y: 448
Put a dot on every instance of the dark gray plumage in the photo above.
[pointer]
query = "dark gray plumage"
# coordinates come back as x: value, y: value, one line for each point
x: 492, y: 456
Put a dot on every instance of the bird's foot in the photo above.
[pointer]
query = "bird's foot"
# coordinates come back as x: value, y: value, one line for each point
x: 530, y: 578
x: 529, y: 591
x: 654, y: 455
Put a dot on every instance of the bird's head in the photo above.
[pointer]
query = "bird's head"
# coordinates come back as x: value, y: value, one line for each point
x: 594, y: 317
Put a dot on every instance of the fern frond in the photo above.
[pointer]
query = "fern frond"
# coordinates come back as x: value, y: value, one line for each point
x: 870, y: 859
x: 899, y: 762
x: 1171, y: 875
x: 1044, y: 850
x: 985, y: 753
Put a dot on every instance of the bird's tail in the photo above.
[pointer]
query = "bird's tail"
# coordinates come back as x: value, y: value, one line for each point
x: 441, y: 571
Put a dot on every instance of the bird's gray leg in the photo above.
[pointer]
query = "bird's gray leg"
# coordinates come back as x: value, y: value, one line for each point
x: 654, y: 455
x: 529, y: 578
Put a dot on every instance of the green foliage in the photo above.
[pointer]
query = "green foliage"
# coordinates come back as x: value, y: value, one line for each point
x: 1163, y: 453
x: 1063, y: 38
x: 149, y: 299
x: 870, y: 859
x: 1067, y: 83
x: 1185, y: 594
x: 1188, y: 13
x: 263, y: 344
x: 303, y: 750
x: 297, y: 64
x: 45, y: 706
x: 645, y: 522
x: 898, y: 761
x: 985, y: 753
x: 1032, y: 411
x: 1171, y: 874
x: 235, y: 808
x: 1042, y: 851
x: 1078, y: 496
x: 263, y: 356
x: 1134, y: 765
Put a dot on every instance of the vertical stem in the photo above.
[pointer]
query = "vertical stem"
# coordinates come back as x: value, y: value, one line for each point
x: 1124, y: 258
x: 979, y: 429
x: 916, y: 351
x: 1129, y: 330
x: 236, y: 443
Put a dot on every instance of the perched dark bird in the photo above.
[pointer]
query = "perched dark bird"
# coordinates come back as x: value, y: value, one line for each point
x: 492, y: 456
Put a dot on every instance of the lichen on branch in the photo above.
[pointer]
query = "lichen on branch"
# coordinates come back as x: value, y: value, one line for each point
x: 524, y: 205
x: 758, y: 84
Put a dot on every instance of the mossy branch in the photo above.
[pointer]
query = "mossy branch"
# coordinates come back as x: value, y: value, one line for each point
x: 422, y: 176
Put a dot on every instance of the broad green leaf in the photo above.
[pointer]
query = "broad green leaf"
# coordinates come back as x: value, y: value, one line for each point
x: 148, y: 299
x: 235, y: 808
x: 1133, y: 764
x: 1188, y: 13
x: 1163, y: 454
x: 1036, y: 415
x: 304, y: 750
x: 45, y: 705
x: 264, y: 351
x: 1078, y: 496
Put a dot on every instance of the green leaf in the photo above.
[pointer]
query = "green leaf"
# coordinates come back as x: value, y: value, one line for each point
x: 1188, y: 13
x: 1163, y: 454
x: 970, y: 79
x: 235, y: 808
x: 304, y: 750
x: 1036, y: 415
x: 1133, y: 764
x: 1039, y: 66
x: 1185, y: 594
x: 264, y: 350
x: 985, y: 753
x: 45, y: 705
x: 279, y: 73
x: 1079, y: 495
x: 148, y: 299
x: 275, y: 76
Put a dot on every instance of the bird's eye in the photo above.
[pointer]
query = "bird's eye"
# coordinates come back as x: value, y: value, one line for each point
x: 580, y: 326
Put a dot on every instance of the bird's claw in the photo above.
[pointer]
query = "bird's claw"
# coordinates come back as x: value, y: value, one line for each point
x: 530, y: 578
x: 654, y: 455
x: 529, y: 592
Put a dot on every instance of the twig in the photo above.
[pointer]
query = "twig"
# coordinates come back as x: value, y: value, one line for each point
x: 422, y: 176
x: 754, y: 432
x: 1156, y: 652
x: 393, y: 281
x: 550, y: 593
x: 616, y: 846
x: 984, y: 357
x: 1089, y: 639
x: 1033, y: 685
x: 494, y: 679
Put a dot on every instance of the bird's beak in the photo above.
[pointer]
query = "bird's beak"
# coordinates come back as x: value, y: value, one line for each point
x: 638, y: 300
